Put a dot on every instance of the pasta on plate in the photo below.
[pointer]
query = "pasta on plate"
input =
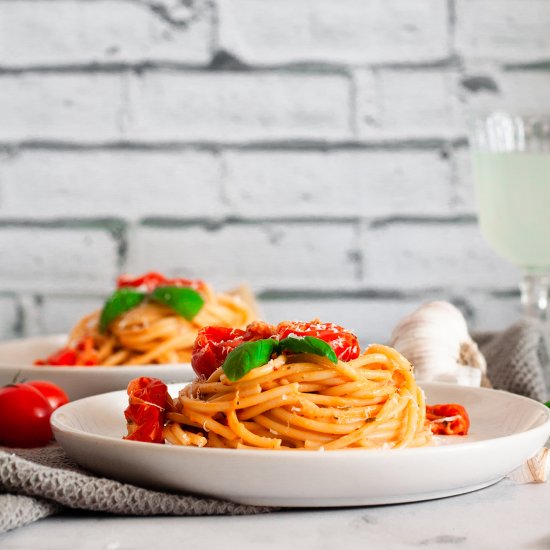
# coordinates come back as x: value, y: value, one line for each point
x: 305, y: 386
x: 151, y: 320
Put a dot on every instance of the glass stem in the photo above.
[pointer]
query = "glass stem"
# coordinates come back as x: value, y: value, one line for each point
x: 534, y: 295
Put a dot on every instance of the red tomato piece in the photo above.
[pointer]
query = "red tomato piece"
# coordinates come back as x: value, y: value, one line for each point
x: 448, y: 419
x: 83, y: 354
x: 25, y: 415
x: 150, y: 281
x: 344, y: 343
x: 52, y: 392
x: 63, y: 357
x: 146, y: 410
x: 213, y: 344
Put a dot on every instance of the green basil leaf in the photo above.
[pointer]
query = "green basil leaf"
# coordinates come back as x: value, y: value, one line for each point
x: 119, y: 302
x: 248, y: 356
x: 186, y: 302
x: 308, y: 344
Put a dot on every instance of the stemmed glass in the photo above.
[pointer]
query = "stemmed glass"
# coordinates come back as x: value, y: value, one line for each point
x: 511, y: 159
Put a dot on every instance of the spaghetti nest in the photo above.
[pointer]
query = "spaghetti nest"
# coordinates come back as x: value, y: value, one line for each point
x: 305, y: 401
x: 153, y: 333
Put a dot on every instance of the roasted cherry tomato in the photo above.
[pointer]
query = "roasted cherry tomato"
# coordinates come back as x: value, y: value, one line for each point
x: 25, y: 416
x: 52, y: 392
x: 448, y: 419
x: 344, y: 343
x: 152, y: 280
x: 213, y: 344
x: 145, y: 414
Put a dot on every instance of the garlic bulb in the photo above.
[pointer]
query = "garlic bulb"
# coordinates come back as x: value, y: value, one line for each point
x: 435, y: 339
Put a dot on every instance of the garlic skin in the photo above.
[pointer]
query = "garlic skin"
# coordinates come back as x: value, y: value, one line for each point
x: 435, y: 339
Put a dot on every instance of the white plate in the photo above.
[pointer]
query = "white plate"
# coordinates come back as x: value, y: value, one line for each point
x: 17, y: 357
x: 506, y: 430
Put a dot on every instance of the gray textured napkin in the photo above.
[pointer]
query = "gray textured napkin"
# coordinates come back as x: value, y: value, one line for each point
x: 517, y: 358
x: 39, y: 482
x: 36, y: 483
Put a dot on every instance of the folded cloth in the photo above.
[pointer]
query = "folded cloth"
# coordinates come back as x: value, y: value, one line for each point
x: 39, y: 482
x: 517, y: 358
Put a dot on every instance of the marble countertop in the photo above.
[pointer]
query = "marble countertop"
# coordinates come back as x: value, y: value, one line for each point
x: 504, y: 516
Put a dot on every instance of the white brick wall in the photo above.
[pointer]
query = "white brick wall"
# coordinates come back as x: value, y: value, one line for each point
x: 103, y: 31
x: 439, y: 255
x: 62, y: 106
x: 503, y: 30
x: 274, y: 255
x: 52, y: 258
x: 128, y: 184
x: 315, y: 149
x: 172, y: 106
x: 338, y: 183
x: 521, y: 91
x: 463, y: 183
x: 408, y: 103
x: 227, y: 106
x: 350, y: 31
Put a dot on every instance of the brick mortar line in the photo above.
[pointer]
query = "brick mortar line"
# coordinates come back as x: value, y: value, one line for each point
x: 380, y: 294
x: 388, y: 144
x: 358, y: 221
x: 463, y: 219
x: 118, y: 227
x: 319, y: 68
x: 113, y: 225
x: 215, y: 67
x: 542, y: 66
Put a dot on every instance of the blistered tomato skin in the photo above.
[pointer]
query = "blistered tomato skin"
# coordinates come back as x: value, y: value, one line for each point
x: 344, y: 343
x: 24, y: 417
x: 212, y: 346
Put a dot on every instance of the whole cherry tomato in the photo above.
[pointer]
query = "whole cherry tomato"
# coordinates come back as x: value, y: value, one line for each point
x: 25, y: 416
x: 25, y: 411
x: 52, y: 392
x: 342, y: 341
x: 213, y: 344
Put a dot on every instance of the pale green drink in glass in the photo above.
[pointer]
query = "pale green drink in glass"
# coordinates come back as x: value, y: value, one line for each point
x: 513, y: 199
